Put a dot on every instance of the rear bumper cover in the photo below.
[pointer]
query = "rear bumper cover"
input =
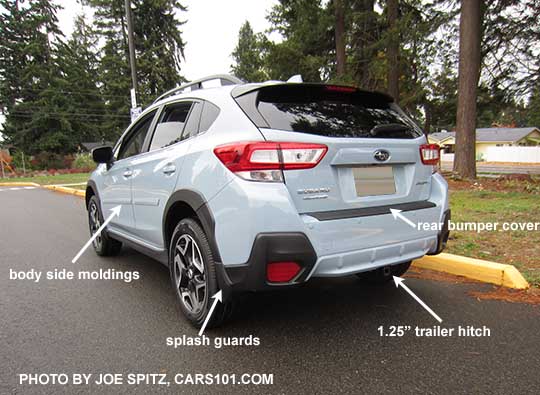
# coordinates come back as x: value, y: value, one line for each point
x: 296, y: 246
x: 352, y: 262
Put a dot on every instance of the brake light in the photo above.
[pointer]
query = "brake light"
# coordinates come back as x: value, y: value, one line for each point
x: 265, y: 161
x: 282, y: 272
x: 429, y: 153
x: 338, y: 88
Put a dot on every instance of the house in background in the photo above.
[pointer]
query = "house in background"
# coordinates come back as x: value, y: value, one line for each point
x: 491, y: 143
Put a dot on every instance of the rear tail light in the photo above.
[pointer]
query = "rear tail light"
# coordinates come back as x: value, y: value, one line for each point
x: 429, y: 153
x: 265, y: 161
x: 282, y: 272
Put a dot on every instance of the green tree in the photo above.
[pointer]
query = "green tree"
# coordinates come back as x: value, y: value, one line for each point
x: 159, y: 46
x: 533, y: 108
x: 113, y: 70
x: 159, y: 50
x: 248, y: 55
x: 31, y: 101
x: 442, y: 105
x: 308, y: 46
x: 470, y: 36
x: 510, y: 50
x: 78, y: 64
x: 366, y: 52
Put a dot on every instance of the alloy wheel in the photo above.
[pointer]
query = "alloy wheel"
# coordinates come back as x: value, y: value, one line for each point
x: 189, y: 274
x: 95, y: 223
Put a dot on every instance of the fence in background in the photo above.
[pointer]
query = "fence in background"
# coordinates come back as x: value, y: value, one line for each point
x: 513, y: 154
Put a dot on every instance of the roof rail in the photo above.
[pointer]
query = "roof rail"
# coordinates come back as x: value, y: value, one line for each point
x: 225, y: 79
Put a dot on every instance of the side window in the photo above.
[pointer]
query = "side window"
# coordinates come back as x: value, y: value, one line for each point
x: 170, y: 126
x: 209, y: 115
x: 133, y: 143
x: 192, y: 124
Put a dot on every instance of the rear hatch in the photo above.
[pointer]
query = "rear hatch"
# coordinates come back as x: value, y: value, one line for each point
x: 373, y: 157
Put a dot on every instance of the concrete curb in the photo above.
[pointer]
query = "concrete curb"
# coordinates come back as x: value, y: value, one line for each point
x: 476, y: 269
x: 19, y: 184
x: 66, y: 190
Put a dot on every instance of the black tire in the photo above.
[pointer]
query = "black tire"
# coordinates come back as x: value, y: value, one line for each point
x: 189, y: 240
x: 103, y: 245
x: 383, y: 275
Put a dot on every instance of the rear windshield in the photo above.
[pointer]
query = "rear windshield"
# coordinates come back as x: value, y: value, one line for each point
x: 331, y: 111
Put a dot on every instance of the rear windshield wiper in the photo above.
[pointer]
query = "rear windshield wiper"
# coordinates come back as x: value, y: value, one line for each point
x: 389, y: 128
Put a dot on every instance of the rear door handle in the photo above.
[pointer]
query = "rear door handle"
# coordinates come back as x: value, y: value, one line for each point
x: 169, y: 169
x: 128, y: 173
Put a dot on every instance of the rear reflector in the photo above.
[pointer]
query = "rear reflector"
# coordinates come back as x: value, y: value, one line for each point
x: 259, y: 161
x: 282, y: 272
x: 429, y: 153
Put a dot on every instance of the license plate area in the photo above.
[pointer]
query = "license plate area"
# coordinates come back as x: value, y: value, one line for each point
x: 374, y: 180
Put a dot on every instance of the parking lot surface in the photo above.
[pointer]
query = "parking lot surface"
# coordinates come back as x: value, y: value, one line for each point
x: 320, y: 338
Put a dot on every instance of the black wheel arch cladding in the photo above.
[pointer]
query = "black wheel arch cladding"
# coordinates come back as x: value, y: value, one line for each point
x: 199, y: 206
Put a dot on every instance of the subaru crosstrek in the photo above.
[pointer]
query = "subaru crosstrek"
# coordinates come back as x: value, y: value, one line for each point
x: 262, y: 186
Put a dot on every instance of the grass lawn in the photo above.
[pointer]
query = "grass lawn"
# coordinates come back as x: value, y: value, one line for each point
x: 57, y: 179
x: 498, y: 201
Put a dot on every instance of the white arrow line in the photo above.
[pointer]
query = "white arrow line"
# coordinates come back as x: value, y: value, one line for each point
x: 397, y: 214
x: 399, y: 281
x: 115, y: 212
x: 217, y: 297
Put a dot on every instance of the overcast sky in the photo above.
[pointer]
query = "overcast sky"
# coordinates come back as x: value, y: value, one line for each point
x: 210, y: 31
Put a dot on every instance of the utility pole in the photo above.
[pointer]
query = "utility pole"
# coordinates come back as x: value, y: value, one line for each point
x: 131, y: 54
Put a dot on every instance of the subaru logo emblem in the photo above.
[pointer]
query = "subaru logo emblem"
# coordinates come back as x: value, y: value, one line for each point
x: 381, y: 155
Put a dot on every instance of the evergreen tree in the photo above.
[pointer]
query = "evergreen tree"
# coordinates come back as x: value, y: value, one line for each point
x: 159, y: 46
x: 35, y: 120
x: 159, y: 49
x: 470, y: 36
x: 364, y: 35
x: 78, y: 64
x: 249, y: 55
x: 113, y: 71
x: 443, y: 99
x: 510, y: 50
x: 308, y: 40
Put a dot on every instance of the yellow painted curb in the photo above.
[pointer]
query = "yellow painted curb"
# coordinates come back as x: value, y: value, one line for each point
x: 18, y: 184
x: 69, y: 191
x: 476, y: 269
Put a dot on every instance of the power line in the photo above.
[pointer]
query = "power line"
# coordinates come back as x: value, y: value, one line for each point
x: 32, y: 107
x: 31, y: 114
x: 84, y: 93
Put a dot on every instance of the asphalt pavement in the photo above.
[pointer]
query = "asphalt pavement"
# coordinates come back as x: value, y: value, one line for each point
x: 321, y: 338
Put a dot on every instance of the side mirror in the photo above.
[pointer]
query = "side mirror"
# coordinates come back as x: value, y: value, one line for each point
x: 103, y: 155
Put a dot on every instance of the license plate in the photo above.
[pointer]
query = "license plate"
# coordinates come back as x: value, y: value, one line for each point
x: 374, y: 180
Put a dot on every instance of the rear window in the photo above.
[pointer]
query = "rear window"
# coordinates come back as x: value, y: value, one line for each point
x: 331, y: 111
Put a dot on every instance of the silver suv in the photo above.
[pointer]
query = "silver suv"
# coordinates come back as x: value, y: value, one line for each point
x: 249, y: 187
